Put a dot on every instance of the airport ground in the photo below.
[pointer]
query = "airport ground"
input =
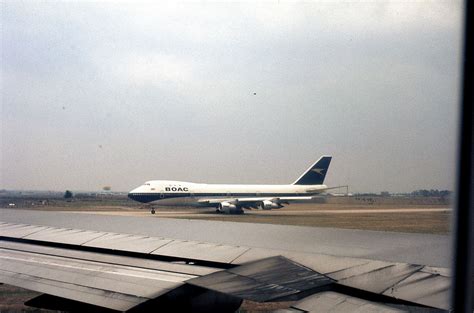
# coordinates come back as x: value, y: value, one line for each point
x: 418, y: 215
x: 412, y: 215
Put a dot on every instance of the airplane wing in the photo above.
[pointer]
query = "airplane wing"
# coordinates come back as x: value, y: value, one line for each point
x: 124, y: 272
x: 255, y: 202
x: 274, y: 202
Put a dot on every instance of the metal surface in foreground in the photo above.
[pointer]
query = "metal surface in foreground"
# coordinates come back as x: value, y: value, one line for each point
x: 97, y: 270
x: 264, y: 280
x: 330, y: 301
x: 116, y: 287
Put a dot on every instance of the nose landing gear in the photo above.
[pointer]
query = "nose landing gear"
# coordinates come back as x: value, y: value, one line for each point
x: 152, y: 211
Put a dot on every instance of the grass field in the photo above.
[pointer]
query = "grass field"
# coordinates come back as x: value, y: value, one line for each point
x: 418, y: 222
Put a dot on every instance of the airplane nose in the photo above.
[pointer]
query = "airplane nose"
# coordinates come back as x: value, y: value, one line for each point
x: 134, y: 194
x: 137, y: 195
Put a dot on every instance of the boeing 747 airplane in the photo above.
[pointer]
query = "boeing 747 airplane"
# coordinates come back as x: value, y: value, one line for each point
x: 232, y: 199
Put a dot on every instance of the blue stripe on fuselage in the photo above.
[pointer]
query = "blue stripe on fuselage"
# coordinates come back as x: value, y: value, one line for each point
x: 149, y: 197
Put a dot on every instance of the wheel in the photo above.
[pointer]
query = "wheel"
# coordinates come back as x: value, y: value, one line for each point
x: 152, y: 211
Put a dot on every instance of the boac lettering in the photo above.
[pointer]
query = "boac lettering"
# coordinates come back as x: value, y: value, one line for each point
x: 176, y: 189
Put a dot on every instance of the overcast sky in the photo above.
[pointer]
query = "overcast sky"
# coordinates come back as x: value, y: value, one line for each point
x: 109, y: 93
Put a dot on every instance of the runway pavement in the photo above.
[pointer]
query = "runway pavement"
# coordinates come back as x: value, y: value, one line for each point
x: 273, y: 212
x: 425, y: 249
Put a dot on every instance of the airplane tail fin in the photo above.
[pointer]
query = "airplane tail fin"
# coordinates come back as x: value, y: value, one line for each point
x: 316, y: 173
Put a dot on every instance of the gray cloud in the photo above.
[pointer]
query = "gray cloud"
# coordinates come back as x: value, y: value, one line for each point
x: 115, y: 94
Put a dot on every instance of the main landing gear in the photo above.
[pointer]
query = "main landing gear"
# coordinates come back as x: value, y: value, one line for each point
x: 152, y: 211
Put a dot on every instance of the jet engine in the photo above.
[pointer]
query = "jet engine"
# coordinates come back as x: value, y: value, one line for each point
x: 229, y: 208
x: 268, y: 205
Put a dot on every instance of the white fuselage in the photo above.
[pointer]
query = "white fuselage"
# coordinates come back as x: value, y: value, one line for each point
x: 176, y: 193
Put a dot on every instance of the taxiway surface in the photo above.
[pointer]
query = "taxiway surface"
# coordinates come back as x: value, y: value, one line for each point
x: 428, y: 249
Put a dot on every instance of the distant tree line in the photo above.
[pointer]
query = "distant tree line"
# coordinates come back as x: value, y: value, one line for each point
x: 366, y: 194
x: 416, y: 193
x: 431, y: 193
